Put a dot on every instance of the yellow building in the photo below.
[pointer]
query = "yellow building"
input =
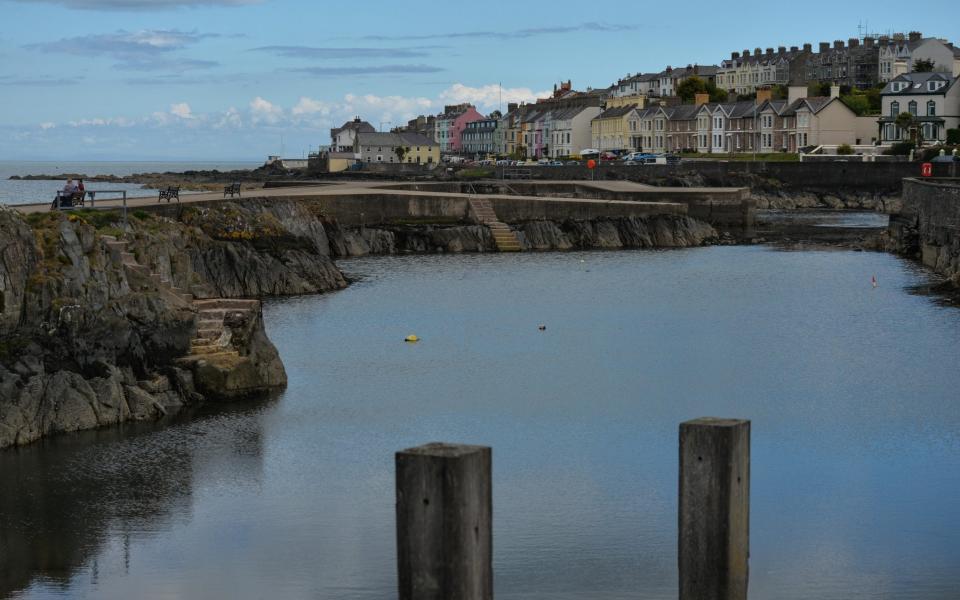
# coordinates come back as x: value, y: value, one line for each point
x: 382, y: 148
x: 611, y: 130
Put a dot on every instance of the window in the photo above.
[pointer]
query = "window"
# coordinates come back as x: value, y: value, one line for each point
x: 803, y: 119
x: 894, y: 108
x: 931, y: 108
x: 912, y: 107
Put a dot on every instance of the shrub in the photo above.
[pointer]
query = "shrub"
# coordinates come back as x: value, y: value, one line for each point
x: 953, y: 136
x: 844, y: 149
x: 900, y: 149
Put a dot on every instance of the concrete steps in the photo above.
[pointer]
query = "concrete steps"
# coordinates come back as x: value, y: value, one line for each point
x: 504, y: 237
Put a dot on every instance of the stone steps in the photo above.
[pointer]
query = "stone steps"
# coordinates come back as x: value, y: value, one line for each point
x: 503, y: 237
x: 227, y: 304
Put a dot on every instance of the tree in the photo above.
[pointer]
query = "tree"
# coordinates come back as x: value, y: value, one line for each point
x: 858, y: 103
x: 844, y: 149
x: 401, y: 151
x: 691, y: 86
x: 923, y: 65
x: 905, y: 122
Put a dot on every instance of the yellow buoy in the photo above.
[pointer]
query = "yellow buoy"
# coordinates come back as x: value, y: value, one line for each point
x: 411, y: 338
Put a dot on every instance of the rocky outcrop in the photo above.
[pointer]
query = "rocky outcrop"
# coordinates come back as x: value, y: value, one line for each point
x: 628, y: 232
x: 88, y: 340
x: 837, y: 199
x: 245, y: 249
x: 407, y: 239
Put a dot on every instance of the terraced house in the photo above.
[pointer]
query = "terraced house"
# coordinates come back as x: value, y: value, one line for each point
x: 478, y: 137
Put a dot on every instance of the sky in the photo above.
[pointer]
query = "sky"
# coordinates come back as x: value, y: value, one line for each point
x: 242, y: 79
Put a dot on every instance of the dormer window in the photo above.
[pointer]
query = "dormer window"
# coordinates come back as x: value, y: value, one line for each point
x: 935, y: 85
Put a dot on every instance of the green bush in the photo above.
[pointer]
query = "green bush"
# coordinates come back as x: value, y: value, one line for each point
x: 844, y: 149
x: 900, y: 149
x: 475, y: 174
x: 953, y: 136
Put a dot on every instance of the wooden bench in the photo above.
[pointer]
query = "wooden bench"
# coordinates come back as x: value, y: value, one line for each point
x: 233, y: 188
x: 172, y: 191
x: 64, y: 200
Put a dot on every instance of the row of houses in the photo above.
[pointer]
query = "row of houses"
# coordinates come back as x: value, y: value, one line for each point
x: 859, y: 62
x: 570, y: 122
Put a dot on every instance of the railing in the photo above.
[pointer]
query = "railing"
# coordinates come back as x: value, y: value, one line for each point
x: 92, y: 194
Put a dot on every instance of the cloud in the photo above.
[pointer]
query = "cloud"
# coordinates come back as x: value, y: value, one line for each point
x: 333, y: 53
x: 508, y: 35
x: 181, y: 110
x: 47, y: 125
x: 360, y: 71
x: 143, y: 50
x: 141, y: 5
x: 264, y: 111
x: 489, y: 95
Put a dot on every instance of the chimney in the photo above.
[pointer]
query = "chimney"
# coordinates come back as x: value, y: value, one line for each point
x: 757, y: 52
x: 868, y: 42
x: 769, y: 51
x: 808, y: 47
x: 834, y: 91
x: 794, y: 49
x: 782, y: 50
x: 701, y: 98
x: 795, y: 92
x: 824, y: 47
x: 746, y: 53
x: 915, y: 36
x: 838, y: 45
x: 884, y: 40
x: 734, y: 56
x: 853, y: 43
x: 512, y: 106
x: 764, y: 94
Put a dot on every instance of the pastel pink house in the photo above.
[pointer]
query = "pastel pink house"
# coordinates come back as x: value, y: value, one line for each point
x: 459, y: 124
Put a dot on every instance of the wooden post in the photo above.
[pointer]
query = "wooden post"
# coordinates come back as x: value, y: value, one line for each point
x: 444, y: 523
x: 714, y: 535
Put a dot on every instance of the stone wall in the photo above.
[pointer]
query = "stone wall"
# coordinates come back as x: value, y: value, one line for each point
x: 928, y: 227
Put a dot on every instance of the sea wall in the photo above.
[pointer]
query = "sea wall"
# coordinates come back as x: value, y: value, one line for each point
x: 657, y: 231
x: 928, y: 226
x: 779, y: 185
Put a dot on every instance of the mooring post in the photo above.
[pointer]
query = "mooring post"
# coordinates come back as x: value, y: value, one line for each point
x: 714, y: 535
x: 444, y: 522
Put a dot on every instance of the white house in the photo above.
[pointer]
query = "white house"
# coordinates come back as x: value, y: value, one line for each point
x: 932, y: 98
x: 570, y: 131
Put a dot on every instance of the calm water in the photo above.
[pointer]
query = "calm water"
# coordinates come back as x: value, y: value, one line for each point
x: 853, y: 393
x: 25, y: 192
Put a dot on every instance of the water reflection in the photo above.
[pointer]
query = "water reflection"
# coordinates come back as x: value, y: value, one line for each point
x: 72, y: 503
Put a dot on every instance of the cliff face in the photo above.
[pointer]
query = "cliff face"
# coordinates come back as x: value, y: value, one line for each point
x: 87, y: 339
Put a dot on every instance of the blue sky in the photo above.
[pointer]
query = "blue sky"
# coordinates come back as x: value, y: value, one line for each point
x: 233, y: 79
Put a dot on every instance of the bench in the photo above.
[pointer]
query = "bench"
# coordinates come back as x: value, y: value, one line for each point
x: 172, y: 191
x: 65, y: 200
x: 233, y: 188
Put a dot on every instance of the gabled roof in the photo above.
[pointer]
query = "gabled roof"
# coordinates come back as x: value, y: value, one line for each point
x: 814, y: 105
x: 743, y: 109
x: 777, y: 106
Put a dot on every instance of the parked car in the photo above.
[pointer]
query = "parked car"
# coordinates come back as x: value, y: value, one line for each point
x: 556, y: 163
x: 608, y: 156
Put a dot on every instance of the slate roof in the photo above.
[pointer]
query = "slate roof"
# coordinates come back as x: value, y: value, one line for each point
x: 394, y: 139
x: 683, y: 112
x: 617, y: 111
x: 360, y: 126
x: 918, y: 79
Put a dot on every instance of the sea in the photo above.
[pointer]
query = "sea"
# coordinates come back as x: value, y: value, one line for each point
x: 851, y: 390
x: 27, y: 192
